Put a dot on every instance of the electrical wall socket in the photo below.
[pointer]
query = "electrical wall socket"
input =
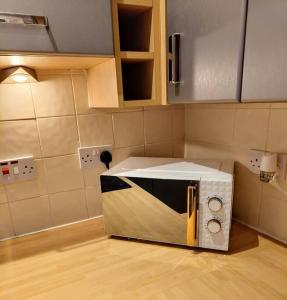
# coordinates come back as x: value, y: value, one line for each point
x: 90, y: 156
x: 17, y: 169
x: 254, y: 161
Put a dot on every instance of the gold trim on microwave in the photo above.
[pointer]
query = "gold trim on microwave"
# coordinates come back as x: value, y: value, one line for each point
x: 191, y: 216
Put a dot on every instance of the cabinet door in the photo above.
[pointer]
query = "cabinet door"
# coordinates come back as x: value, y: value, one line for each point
x: 74, y: 27
x: 83, y: 26
x: 210, y: 49
x: 265, y: 62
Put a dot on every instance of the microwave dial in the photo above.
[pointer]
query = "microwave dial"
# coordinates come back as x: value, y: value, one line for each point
x: 215, y: 204
x: 214, y: 226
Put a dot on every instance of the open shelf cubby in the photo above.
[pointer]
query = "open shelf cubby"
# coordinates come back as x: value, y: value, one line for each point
x: 137, y: 77
x: 135, y: 27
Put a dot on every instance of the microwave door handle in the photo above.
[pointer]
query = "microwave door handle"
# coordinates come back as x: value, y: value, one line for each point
x: 190, y: 201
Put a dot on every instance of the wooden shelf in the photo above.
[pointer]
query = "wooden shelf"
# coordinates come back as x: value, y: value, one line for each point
x: 135, y: 27
x: 136, y: 56
x: 138, y: 80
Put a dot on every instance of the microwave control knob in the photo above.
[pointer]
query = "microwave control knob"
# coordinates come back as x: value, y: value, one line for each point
x: 214, y: 226
x: 215, y: 204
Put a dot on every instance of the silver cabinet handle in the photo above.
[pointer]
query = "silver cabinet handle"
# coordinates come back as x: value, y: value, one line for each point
x: 174, y: 58
x: 23, y: 20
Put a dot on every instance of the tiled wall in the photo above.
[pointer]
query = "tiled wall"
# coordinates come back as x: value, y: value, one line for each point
x: 227, y: 131
x: 50, y: 120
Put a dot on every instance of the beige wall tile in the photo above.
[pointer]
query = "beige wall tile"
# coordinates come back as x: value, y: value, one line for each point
x: 279, y: 105
x: 253, y: 105
x: 163, y: 149
x: 21, y: 139
x: 200, y: 150
x: 178, y: 148
x: 158, y: 125
x: 6, y: 228
x: 123, y: 153
x: 96, y: 129
x: 277, y: 140
x: 53, y: 95
x: 251, y: 128
x: 273, y: 218
x: 58, y: 136
x: 16, y: 102
x: 178, y: 123
x: 128, y: 129
x: 31, y: 214
x: 68, y: 207
x: 94, y: 201
x: 28, y: 188
x: 63, y: 173
x: 247, y: 195
x: 91, y: 176
x: 209, y: 106
x: 211, y: 125
x: 3, y: 197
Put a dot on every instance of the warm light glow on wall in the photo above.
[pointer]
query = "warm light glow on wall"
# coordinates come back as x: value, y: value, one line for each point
x: 17, y: 75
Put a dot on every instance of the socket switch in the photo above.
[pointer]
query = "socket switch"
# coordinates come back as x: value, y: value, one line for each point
x: 17, y: 169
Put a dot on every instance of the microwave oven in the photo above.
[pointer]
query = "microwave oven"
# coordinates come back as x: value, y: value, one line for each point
x: 169, y: 200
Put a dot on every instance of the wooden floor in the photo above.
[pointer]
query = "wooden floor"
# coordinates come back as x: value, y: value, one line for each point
x: 79, y: 262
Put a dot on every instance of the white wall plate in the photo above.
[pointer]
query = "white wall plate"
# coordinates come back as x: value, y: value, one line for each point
x: 90, y: 156
x: 17, y: 169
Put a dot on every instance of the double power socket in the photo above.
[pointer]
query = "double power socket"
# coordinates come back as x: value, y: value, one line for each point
x: 90, y: 156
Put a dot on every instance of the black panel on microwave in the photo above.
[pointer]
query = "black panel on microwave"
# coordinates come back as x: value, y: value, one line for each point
x: 172, y: 193
x: 112, y: 183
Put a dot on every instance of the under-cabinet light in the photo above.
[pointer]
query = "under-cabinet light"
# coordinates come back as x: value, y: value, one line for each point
x: 18, y: 74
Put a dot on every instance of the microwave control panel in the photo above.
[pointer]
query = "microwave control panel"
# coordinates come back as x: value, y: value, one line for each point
x: 215, y: 209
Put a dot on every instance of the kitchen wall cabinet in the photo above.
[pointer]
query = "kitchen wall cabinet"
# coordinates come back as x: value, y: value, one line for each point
x: 75, y: 26
x: 206, y: 39
x: 265, y: 63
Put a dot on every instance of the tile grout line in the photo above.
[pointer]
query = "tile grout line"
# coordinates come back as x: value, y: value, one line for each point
x: 75, y: 115
x: 79, y: 139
